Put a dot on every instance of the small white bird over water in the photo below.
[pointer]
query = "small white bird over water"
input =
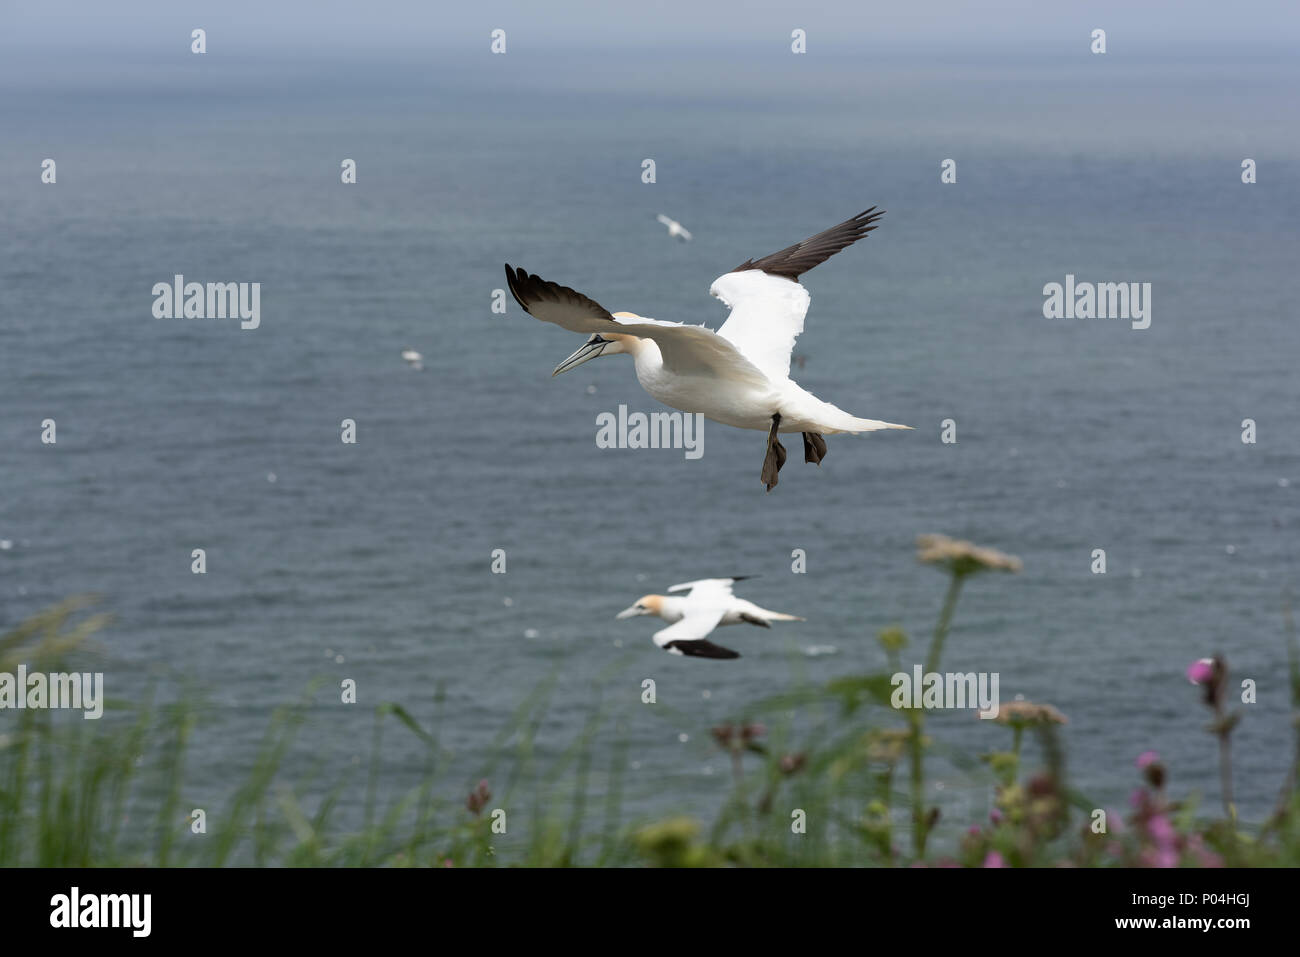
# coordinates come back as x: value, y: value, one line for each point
x: 739, y: 375
x: 709, y: 605
x: 413, y: 358
x: 675, y: 229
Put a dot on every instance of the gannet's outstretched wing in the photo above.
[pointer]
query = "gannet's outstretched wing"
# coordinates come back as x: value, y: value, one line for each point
x: 720, y: 587
x: 686, y: 350
x: 687, y: 637
x: 793, y: 261
x: 767, y: 302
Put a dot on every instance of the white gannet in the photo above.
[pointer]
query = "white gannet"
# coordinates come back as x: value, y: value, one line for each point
x: 675, y: 229
x: 692, y: 617
x: 739, y: 375
x: 413, y: 358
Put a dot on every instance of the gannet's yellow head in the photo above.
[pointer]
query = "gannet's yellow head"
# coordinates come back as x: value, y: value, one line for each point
x: 600, y: 344
x: 645, y: 605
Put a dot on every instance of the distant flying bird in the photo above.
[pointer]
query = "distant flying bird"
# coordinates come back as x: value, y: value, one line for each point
x: 413, y: 358
x: 739, y: 375
x: 675, y: 229
x: 709, y: 605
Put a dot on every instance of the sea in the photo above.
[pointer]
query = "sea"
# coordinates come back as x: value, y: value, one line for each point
x: 470, y: 549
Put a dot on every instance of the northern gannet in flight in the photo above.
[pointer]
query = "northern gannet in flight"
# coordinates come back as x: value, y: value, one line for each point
x: 675, y: 229
x: 692, y: 617
x: 739, y: 375
x: 413, y: 358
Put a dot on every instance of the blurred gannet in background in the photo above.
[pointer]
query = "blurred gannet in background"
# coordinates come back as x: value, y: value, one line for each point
x: 675, y: 229
x: 739, y: 375
x: 692, y: 617
x: 413, y: 358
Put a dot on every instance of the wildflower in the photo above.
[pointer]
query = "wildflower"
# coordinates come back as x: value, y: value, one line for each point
x: 963, y: 558
x: 676, y: 832
x: 1212, y: 676
x: 1022, y: 713
x: 744, y: 735
x: 674, y: 843
x: 1206, y: 858
x: 1161, y: 843
x: 994, y: 859
x: 1152, y: 769
x: 1201, y: 671
x: 478, y: 798
x: 1159, y: 857
x: 887, y: 745
x: 1161, y: 831
x: 892, y: 639
x: 792, y: 763
x: 1041, y: 785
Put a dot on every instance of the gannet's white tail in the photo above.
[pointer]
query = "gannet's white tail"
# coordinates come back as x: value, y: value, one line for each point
x: 866, y: 425
x: 802, y: 411
x: 778, y: 616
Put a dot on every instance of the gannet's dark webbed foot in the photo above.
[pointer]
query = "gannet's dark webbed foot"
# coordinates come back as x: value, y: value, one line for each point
x: 814, y: 448
x: 775, y: 455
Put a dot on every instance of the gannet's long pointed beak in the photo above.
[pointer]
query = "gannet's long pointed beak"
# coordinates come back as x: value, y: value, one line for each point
x: 590, y: 350
x: 629, y: 612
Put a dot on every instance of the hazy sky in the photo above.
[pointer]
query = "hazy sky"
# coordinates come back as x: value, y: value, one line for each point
x: 59, y: 28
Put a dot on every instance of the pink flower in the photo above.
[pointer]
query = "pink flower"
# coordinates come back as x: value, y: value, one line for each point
x: 994, y: 859
x: 1201, y: 671
x: 1161, y: 831
x: 1206, y: 857
x: 1147, y: 758
x: 1160, y: 857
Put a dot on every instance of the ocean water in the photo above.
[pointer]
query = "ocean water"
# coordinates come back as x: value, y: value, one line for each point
x: 373, y: 561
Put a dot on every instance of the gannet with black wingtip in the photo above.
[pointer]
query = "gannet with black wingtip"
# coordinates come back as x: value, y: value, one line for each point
x: 739, y: 375
x: 709, y: 605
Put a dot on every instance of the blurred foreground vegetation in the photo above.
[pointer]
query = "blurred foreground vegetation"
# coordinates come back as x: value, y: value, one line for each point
x: 112, y: 792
